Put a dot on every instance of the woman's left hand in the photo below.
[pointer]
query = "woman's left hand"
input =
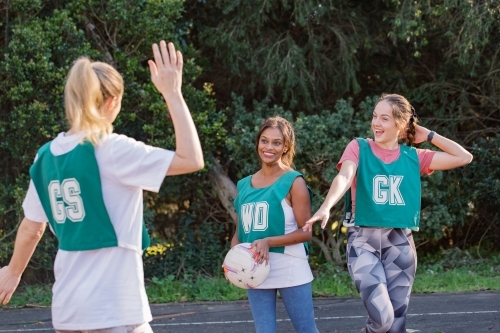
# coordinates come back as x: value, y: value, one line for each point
x: 261, y: 247
x: 421, y: 134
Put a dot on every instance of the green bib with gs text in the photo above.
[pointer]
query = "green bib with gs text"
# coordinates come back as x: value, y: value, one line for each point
x: 69, y: 188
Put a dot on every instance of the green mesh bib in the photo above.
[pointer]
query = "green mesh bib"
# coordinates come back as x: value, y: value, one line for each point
x: 69, y: 188
x: 259, y: 210
x: 387, y: 195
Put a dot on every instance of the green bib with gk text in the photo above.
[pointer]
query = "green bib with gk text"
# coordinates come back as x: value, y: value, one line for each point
x: 388, y: 195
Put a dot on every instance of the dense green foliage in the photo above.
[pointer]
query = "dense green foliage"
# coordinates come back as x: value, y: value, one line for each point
x: 320, y: 64
x: 451, y: 271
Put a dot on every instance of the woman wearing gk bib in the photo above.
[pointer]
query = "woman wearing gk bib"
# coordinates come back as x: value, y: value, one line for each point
x: 383, y: 207
x: 272, y: 206
x: 88, y: 183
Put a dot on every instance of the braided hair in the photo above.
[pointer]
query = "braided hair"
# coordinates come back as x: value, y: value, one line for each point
x: 404, y: 115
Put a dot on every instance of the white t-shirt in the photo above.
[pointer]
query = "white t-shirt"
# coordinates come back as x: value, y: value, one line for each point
x: 291, y: 268
x: 105, y: 288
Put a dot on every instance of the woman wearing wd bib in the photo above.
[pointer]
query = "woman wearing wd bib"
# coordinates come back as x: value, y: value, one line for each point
x: 88, y: 183
x: 282, y: 199
x: 383, y: 207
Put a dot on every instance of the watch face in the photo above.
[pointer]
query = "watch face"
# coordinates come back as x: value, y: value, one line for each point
x: 430, y: 136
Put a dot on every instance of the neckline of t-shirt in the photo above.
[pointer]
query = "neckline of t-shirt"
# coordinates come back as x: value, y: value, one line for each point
x: 261, y: 188
x: 62, y: 139
x: 389, y: 151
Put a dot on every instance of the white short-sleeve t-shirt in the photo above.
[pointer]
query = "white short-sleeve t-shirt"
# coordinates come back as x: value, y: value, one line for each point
x: 105, y: 288
x: 291, y: 268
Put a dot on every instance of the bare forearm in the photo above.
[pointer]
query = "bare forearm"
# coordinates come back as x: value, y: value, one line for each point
x: 451, y: 147
x: 295, y: 237
x: 188, y: 145
x: 340, y: 185
x: 26, y: 241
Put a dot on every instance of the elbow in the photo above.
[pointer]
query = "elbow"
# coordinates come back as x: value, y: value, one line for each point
x: 197, y: 164
x: 200, y: 163
x: 467, y: 158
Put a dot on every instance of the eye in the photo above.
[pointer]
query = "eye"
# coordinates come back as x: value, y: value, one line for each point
x: 277, y: 143
x: 263, y: 141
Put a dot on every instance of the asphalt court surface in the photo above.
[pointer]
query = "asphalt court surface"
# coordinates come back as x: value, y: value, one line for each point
x: 430, y: 313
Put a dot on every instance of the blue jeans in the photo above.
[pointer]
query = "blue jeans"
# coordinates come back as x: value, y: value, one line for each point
x: 298, y: 303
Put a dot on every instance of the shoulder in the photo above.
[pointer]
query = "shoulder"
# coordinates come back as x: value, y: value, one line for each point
x: 118, y: 139
x: 354, y: 145
x: 351, y: 153
x: 122, y: 145
x: 299, y: 190
x: 244, y: 181
x: 299, y: 183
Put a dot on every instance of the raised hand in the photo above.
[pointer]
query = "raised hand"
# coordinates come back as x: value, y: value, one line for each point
x: 166, y: 69
x: 421, y: 134
x: 322, y: 214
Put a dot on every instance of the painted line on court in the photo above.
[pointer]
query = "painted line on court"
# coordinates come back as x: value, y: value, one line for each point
x: 322, y: 318
x: 278, y: 320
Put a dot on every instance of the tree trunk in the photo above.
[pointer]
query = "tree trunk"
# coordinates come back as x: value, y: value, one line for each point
x: 226, y: 189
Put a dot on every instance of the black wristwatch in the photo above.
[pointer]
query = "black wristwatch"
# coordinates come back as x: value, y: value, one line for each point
x: 430, y: 136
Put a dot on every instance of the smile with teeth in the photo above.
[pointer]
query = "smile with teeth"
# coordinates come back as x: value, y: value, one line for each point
x: 267, y: 154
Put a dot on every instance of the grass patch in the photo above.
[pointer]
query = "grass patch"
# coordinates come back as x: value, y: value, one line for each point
x: 435, y: 277
x: 198, y: 289
x: 31, y: 296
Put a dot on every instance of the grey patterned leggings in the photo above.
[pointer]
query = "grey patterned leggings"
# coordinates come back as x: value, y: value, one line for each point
x: 382, y: 263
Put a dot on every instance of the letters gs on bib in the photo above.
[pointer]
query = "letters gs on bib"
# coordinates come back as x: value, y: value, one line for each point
x: 65, y: 200
x: 255, y: 216
x: 386, y: 189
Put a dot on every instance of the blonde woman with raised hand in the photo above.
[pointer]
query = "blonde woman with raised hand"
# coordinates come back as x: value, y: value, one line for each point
x: 88, y: 183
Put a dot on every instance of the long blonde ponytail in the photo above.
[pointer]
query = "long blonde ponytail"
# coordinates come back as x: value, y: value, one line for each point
x: 88, y: 86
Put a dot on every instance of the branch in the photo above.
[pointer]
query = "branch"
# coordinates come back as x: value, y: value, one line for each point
x: 324, y: 249
x: 226, y: 189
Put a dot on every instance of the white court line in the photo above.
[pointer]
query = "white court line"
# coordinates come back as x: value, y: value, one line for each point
x: 278, y: 320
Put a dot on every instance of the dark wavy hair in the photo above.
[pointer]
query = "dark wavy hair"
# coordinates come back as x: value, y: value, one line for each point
x: 286, y: 130
x: 404, y: 115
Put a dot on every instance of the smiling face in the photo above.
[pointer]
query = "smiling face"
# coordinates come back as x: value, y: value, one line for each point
x: 384, y: 127
x: 271, y: 146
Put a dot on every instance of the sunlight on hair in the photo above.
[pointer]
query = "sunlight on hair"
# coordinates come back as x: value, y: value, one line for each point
x: 88, y: 85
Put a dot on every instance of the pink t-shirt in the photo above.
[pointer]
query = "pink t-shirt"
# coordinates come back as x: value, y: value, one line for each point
x: 351, y: 153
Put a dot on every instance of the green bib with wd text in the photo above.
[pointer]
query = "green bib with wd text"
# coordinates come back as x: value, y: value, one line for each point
x: 259, y: 210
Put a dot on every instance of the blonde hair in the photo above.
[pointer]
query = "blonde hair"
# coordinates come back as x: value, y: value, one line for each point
x: 88, y: 85
x: 404, y: 116
x: 286, y: 130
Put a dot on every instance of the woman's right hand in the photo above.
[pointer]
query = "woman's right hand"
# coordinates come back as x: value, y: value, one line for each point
x: 166, y: 69
x: 8, y: 284
x: 322, y: 214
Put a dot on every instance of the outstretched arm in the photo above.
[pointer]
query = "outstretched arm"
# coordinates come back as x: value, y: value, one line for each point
x: 452, y: 156
x: 166, y: 74
x: 27, y: 239
x: 340, y: 184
